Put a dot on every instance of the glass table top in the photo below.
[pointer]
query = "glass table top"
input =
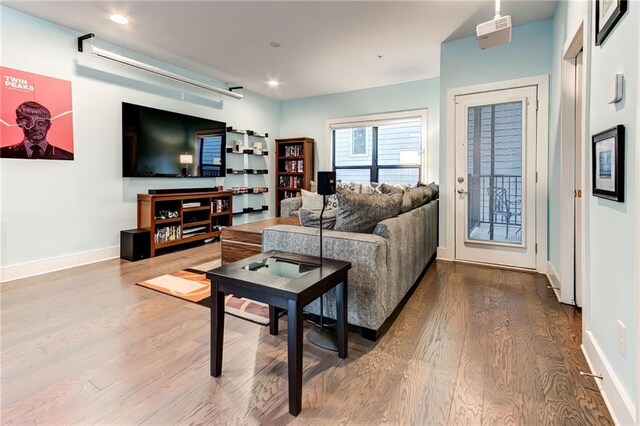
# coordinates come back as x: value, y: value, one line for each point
x: 283, y: 268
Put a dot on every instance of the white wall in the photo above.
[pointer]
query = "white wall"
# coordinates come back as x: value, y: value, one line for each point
x: 308, y: 116
x: 53, y: 209
x: 611, y: 282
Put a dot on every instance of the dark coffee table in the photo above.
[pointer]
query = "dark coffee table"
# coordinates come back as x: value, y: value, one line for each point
x: 284, y: 281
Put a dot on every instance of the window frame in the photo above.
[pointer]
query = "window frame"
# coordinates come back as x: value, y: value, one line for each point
x: 375, y: 121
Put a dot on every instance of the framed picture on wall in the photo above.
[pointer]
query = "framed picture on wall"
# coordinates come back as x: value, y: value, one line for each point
x: 607, y: 156
x: 608, y: 13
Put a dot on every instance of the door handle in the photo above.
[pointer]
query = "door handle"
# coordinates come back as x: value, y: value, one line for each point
x: 462, y: 191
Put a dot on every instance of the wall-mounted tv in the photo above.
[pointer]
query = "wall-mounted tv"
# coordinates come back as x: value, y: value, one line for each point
x: 157, y: 143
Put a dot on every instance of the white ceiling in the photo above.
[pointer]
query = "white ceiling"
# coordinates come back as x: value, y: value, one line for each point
x: 326, y: 46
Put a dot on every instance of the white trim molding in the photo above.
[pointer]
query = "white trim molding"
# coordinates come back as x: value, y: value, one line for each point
x: 573, y: 45
x: 373, y: 119
x: 29, y: 269
x: 554, y: 280
x: 620, y: 405
x: 447, y: 246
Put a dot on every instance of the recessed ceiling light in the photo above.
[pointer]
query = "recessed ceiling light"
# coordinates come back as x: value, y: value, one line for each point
x: 274, y: 44
x: 119, y: 19
x: 273, y: 83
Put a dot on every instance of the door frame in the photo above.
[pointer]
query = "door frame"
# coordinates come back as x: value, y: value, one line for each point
x: 446, y: 251
x: 568, y: 252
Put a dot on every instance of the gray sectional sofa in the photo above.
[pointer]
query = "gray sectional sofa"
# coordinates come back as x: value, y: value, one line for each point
x: 385, y: 264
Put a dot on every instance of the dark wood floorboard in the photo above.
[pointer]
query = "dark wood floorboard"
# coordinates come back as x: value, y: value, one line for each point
x: 473, y: 345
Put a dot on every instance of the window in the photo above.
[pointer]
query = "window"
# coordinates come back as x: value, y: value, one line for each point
x: 211, y: 155
x: 359, y: 141
x: 388, y: 149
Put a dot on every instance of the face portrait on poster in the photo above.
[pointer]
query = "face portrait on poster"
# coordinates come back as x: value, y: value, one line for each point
x: 36, y: 116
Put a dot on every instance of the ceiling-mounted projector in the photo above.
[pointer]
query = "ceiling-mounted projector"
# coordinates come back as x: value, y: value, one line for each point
x: 494, y: 33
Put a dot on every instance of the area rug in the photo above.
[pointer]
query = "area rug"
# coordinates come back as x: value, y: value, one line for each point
x: 193, y: 285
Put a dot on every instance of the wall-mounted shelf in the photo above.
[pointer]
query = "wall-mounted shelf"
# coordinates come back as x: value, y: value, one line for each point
x: 246, y: 152
x: 247, y: 171
x: 253, y: 133
x: 249, y: 191
x: 250, y: 210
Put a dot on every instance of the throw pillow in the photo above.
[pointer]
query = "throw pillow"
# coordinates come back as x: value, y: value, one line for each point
x: 428, y: 194
x: 332, y: 202
x: 417, y: 196
x: 311, y: 200
x: 375, y: 187
x: 436, y: 190
x: 385, y: 188
x: 406, y: 202
x: 311, y: 218
x: 351, y: 186
x: 362, y: 212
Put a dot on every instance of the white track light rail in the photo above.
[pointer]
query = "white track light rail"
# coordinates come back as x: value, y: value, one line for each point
x: 105, y: 54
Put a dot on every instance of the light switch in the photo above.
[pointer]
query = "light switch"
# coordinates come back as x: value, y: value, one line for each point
x: 616, y: 85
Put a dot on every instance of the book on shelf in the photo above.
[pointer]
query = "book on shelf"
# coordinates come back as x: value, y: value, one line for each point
x: 220, y: 206
x: 191, y: 204
x: 167, y: 233
x: 290, y: 182
x: 293, y: 150
x: 195, y: 230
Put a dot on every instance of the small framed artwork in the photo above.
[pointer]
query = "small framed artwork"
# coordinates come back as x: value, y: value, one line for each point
x: 608, y: 13
x: 607, y: 155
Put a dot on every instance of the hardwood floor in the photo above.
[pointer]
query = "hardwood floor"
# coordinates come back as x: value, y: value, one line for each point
x: 472, y: 346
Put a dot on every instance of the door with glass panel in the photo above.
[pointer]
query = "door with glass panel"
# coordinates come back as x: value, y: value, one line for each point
x: 496, y: 177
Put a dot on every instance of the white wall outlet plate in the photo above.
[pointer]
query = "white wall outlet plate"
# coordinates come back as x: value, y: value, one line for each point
x: 621, y: 339
x: 616, y: 87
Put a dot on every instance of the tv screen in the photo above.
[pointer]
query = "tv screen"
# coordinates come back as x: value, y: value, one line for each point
x: 158, y: 143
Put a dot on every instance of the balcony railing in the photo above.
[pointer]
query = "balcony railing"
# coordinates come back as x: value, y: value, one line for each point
x: 495, y: 200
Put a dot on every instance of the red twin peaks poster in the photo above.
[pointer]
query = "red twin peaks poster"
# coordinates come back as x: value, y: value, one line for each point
x: 36, y: 117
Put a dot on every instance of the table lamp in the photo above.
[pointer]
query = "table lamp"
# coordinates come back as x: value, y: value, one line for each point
x: 185, y: 159
x: 320, y: 336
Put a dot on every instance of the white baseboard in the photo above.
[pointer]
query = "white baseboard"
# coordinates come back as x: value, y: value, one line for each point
x: 554, y: 279
x: 444, y: 253
x: 621, y: 407
x: 29, y: 269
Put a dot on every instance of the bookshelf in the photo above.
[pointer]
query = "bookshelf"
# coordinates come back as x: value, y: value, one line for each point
x: 294, y: 167
x: 180, y: 218
x: 247, y: 171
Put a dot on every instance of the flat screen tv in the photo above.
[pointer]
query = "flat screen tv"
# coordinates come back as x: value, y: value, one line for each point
x: 157, y: 143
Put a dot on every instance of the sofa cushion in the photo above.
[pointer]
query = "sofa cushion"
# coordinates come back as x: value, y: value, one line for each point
x: 311, y: 218
x: 362, y: 212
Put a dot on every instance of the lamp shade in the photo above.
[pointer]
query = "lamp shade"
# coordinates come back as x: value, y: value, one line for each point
x: 186, y: 159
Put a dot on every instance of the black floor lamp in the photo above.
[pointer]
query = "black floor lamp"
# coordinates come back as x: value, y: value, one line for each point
x: 321, y: 336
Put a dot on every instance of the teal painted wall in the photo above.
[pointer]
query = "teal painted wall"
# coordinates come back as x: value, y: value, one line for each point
x: 462, y: 64
x: 308, y: 116
x: 612, y: 246
x: 611, y: 228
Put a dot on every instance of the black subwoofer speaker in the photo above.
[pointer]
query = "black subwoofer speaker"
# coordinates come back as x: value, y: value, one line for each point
x: 326, y: 183
x: 134, y: 244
